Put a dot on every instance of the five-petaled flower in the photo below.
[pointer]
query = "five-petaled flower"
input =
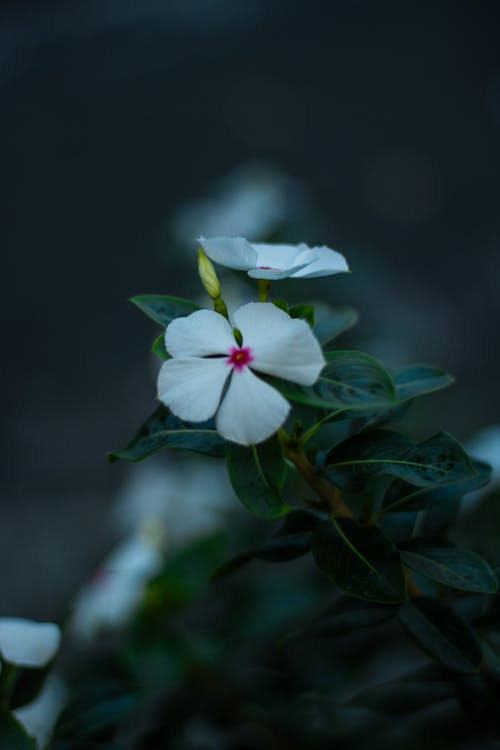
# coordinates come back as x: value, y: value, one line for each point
x: 206, y: 357
x: 266, y: 261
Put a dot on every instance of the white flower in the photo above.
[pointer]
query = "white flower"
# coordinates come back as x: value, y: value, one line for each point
x: 28, y: 644
x: 206, y: 356
x: 118, y: 586
x: 39, y: 717
x: 264, y: 261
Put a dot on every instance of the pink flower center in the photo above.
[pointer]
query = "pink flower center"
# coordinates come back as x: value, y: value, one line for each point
x: 240, y: 357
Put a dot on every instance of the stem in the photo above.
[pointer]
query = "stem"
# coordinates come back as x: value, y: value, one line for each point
x: 264, y: 286
x: 313, y: 430
x: 331, y: 499
x: 6, y: 684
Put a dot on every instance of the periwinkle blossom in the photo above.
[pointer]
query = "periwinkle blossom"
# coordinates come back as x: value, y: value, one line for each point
x: 26, y: 643
x: 206, y: 356
x: 274, y: 261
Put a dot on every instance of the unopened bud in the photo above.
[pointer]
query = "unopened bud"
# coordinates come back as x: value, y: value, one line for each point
x: 208, y: 276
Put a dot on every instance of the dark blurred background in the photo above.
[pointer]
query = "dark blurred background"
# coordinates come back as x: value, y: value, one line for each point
x: 117, y: 112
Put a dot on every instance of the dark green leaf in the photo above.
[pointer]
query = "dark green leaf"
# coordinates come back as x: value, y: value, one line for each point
x: 329, y: 322
x: 159, y: 348
x: 347, y: 615
x: 349, y: 381
x: 360, y: 559
x: 442, y: 633
x: 277, y: 549
x: 416, y: 380
x: 163, y: 430
x: 162, y: 308
x: 257, y: 473
x: 456, y: 568
x: 12, y: 734
x: 94, y: 719
x: 304, y: 312
x: 439, y: 460
x: 402, y: 495
x: 401, y: 698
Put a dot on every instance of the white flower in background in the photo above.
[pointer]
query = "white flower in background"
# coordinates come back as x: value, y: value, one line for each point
x: 26, y: 643
x: 186, y: 497
x: 206, y: 357
x: 254, y: 200
x: 266, y: 261
x: 118, y: 586
x: 39, y: 717
x: 485, y: 446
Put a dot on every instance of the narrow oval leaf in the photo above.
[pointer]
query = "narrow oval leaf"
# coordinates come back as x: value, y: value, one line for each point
x: 163, y: 430
x: 442, y: 633
x: 456, y: 568
x: 417, y: 380
x: 350, y: 381
x: 439, y: 460
x: 257, y: 474
x: 360, y: 559
x: 159, y: 347
x: 330, y: 322
x: 163, y: 309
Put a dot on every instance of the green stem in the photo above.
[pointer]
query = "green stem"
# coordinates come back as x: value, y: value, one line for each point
x: 7, y: 677
x: 313, y: 430
x: 264, y: 286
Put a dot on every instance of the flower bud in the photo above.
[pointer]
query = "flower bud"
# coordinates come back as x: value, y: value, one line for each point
x: 208, y: 276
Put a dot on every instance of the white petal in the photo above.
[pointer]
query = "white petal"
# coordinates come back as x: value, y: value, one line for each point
x: 200, y: 334
x: 233, y: 252
x: 282, y: 257
x: 27, y: 643
x: 192, y: 387
x: 39, y: 717
x: 327, y: 262
x: 281, y: 346
x: 251, y: 410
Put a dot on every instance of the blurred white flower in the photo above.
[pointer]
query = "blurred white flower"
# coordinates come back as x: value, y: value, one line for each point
x: 112, y: 596
x: 185, y: 497
x: 26, y: 643
x: 191, y: 384
x: 254, y: 200
x: 274, y: 262
x: 39, y: 717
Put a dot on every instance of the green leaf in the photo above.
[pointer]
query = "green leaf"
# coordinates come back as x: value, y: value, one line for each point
x: 163, y: 430
x: 278, y: 549
x: 456, y: 568
x: 12, y: 734
x: 349, y: 381
x: 416, y: 380
x: 330, y: 322
x: 442, y: 633
x: 159, y: 347
x: 360, y: 559
x: 92, y: 720
x: 163, y: 309
x: 401, y: 698
x: 257, y: 473
x: 304, y: 312
x: 439, y: 460
x: 347, y: 615
x: 403, y: 496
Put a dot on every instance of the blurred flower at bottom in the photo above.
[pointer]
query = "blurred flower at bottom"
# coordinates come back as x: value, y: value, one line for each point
x: 39, y: 717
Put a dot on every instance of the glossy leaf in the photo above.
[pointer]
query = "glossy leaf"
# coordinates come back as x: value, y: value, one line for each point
x: 417, y: 380
x: 439, y: 460
x: 162, y: 430
x: 442, y: 633
x: 330, y: 322
x: 162, y: 308
x: 403, y: 496
x: 257, y: 474
x: 456, y: 568
x: 360, y: 559
x: 350, y: 381
x: 12, y: 734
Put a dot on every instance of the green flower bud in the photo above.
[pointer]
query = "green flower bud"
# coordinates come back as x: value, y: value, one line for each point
x: 208, y: 276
